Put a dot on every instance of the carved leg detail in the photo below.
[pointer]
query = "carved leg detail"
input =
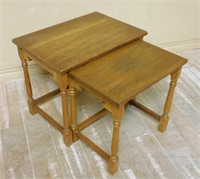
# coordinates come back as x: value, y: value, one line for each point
x: 72, y: 93
x: 68, y: 139
x: 113, y: 161
x: 165, y: 117
x: 27, y: 82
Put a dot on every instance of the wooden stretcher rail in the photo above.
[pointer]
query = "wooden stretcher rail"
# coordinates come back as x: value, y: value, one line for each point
x: 145, y: 109
x: 46, y: 97
x: 96, y: 148
x: 49, y: 118
x: 92, y: 119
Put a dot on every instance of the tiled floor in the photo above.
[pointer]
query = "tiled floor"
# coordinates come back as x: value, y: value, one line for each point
x: 31, y: 148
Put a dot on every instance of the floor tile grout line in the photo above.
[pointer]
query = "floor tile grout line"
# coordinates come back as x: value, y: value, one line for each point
x: 169, y: 158
x: 181, y: 138
x: 3, y: 126
x: 6, y: 122
x: 26, y: 135
x: 141, y: 155
x: 62, y: 145
x: 185, y: 143
x: 86, y: 159
x: 50, y: 131
x: 193, y: 103
x: 1, y: 153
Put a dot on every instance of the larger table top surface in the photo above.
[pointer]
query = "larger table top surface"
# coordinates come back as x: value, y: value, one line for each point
x: 124, y: 73
x: 73, y: 43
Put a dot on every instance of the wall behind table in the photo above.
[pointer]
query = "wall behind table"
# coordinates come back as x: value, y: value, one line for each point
x: 171, y: 24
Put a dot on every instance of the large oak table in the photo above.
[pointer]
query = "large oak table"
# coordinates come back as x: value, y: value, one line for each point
x: 63, y: 47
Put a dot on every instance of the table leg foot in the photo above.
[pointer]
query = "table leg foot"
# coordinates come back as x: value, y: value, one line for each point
x: 113, y: 163
x: 163, y: 123
x: 75, y: 137
x: 31, y: 108
x: 68, y: 138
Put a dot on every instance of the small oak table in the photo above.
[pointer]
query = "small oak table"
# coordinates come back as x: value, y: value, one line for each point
x: 116, y: 79
x: 66, y: 46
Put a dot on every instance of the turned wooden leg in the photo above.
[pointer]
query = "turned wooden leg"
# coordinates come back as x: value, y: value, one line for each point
x: 72, y: 93
x: 27, y: 82
x: 165, y: 117
x: 113, y: 161
x: 68, y: 139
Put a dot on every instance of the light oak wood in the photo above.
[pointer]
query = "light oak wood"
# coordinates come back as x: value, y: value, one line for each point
x: 63, y: 47
x: 145, y: 64
x: 165, y: 117
x: 118, y: 77
x: 76, y: 42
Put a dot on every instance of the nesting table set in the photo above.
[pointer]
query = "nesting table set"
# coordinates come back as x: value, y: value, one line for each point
x: 105, y: 57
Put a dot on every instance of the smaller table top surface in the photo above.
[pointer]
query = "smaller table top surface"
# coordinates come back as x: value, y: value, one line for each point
x: 72, y: 43
x: 122, y: 74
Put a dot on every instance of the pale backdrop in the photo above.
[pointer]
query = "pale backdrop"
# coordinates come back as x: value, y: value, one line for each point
x: 171, y: 24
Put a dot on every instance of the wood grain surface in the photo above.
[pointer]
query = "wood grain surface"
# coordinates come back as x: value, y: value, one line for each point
x: 75, y: 42
x: 122, y: 74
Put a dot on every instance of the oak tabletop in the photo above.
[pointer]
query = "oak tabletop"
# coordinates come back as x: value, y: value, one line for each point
x: 122, y: 74
x: 72, y: 43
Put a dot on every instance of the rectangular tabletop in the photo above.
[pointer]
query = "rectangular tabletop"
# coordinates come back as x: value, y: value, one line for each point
x: 70, y: 44
x: 122, y: 74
